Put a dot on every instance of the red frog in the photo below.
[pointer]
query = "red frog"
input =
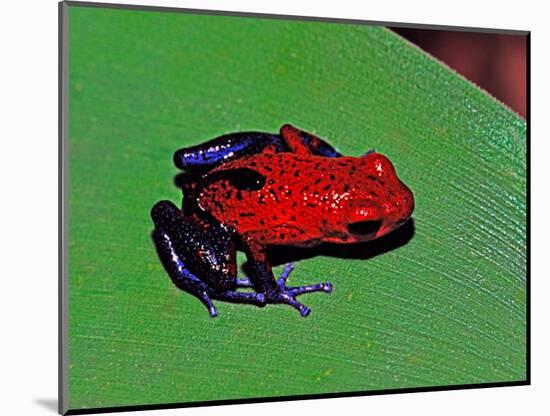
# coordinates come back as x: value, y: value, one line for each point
x: 250, y: 191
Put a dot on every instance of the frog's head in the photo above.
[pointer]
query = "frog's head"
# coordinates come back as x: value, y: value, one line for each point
x: 381, y: 204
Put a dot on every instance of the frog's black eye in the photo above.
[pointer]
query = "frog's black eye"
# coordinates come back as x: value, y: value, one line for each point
x: 243, y: 179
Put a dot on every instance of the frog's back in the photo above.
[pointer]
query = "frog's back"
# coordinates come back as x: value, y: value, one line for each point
x: 299, y: 196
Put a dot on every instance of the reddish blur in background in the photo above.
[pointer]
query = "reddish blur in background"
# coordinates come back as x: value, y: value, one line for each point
x: 497, y: 63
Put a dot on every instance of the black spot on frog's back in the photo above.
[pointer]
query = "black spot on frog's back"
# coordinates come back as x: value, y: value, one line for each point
x: 242, y: 179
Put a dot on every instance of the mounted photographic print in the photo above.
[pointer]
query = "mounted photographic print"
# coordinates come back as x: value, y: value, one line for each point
x: 259, y: 208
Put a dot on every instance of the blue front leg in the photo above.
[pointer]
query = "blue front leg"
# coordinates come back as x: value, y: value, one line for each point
x: 275, y: 291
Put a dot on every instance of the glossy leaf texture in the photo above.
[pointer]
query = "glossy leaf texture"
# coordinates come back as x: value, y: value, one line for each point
x: 442, y: 303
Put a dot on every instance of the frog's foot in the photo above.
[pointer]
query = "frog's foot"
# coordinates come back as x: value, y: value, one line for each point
x: 287, y: 295
x: 295, y: 291
x: 206, y: 296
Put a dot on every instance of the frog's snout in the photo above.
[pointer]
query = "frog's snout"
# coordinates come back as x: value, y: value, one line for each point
x: 368, y: 219
x: 398, y: 209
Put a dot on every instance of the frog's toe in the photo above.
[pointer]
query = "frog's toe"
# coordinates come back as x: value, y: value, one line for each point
x: 213, y: 311
x: 244, y: 282
x: 304, y: 311
x: 260, y: 298
x: 254, y: 298
x: 287, y: 298
x: 285, y: 275
x: 205, y: 299
x: 300, y: 290
x: 288, y: 295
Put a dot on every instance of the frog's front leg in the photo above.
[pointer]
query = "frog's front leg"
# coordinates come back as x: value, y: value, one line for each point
x: 199, y: 259
x: 275, y: 291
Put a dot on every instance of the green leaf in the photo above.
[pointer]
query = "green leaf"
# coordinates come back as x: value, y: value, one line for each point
x: 446, y: 308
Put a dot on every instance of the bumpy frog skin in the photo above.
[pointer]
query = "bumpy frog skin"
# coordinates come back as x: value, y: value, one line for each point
x: 250, y: 191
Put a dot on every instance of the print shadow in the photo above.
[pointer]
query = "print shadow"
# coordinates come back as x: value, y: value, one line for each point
x: 49, y: 404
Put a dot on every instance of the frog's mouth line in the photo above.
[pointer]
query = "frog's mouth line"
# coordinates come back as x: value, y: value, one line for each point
x: 363, y: 228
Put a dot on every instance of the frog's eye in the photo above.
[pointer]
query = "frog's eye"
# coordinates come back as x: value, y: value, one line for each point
x: 243, y: 179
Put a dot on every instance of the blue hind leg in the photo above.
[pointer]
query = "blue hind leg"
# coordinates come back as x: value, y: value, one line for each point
x: 225, y: 148
x: 178, y: 239
x: 236, y: 145
x: 180, y: 274
x: 190, y: 283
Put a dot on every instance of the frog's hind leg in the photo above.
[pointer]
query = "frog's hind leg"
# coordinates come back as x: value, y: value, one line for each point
x: 179, y: 273
x: 225, y: 148
x: 212, y: 153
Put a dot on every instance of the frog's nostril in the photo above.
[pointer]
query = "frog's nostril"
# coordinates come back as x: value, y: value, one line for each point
x: 364, y: 227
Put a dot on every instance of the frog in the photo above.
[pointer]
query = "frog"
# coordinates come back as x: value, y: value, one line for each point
x: 251, y: 191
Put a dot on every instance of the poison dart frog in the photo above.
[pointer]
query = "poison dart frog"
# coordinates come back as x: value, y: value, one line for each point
x: 252, y: 190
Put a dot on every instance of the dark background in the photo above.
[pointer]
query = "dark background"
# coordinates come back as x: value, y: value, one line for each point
x: 497, y: 63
